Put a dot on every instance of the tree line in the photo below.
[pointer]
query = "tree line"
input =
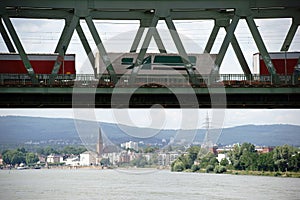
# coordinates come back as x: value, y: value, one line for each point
x: 241, y: 157
x: 21, y: 155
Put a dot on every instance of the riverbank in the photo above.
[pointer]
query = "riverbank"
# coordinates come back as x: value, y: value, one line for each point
x: 264, y: 173
x: 255, y: 173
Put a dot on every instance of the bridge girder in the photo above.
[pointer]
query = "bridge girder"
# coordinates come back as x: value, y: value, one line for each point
x: 230, y: 10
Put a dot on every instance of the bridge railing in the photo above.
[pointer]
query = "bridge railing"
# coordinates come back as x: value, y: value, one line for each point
x: 148, y: 79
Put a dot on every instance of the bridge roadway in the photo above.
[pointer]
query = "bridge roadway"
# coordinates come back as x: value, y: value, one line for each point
x: 59, y: 97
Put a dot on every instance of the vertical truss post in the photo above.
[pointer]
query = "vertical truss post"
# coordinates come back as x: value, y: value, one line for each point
x: 262, y: 48
x: 86, y: 46
x: 289, y: 37
x: 225, y: 44
x: 101, y: 49
x: 181, y: 50
x: 139, y: 61
x: 63, y: 45
x: 20, y: 48
x: 212, y: 39
x: 6, y: 38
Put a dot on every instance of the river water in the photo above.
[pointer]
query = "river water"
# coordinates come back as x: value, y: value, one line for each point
x: 139, y: 184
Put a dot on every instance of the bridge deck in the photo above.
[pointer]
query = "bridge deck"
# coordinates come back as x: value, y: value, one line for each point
x: 251, y: 97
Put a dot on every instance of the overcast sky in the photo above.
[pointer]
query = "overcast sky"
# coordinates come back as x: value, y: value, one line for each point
x: 41, y: 36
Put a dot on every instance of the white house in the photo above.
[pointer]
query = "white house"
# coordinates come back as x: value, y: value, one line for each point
x: 88, y: 158
x: 52, y: 158
x: 72, y: 161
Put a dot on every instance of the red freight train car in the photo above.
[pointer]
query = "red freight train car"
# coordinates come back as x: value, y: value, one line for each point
x: 11, y: 63
x: 284, y: 63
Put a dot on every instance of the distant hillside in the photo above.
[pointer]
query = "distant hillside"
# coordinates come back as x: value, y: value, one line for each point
x: 15, y: 129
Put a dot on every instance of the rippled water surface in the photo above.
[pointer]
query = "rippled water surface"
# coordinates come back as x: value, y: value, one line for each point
x: 138, y: 184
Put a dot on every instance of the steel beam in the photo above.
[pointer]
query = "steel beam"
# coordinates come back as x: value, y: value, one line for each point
x: 154, y: 4
x: 155, y: 35
x: 63, y: 45
x: 225, y: 44
x: 181, y: 50
x: 139, y: 61
x: 262, y: 48
x: 158, y: 41
x: 6, y: 38
x: 289, y: 37
x: 137, y: 39
x: 240, y: 56
x: 211, y: 39
x: 101, y: 49
x: 176, y: 14
x: 86, y: 46
x: 62, y: 41
x: 20, y: 48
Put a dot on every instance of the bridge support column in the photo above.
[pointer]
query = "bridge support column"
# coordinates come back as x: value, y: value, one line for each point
x: 20, y: 48
x: 6, y: 38
x: 101, y: 49
x: 262, y: 48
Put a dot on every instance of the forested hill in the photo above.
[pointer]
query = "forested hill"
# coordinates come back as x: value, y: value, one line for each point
x: 17, y: 129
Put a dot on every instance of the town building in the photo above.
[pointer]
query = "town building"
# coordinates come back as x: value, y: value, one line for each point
x: 52, y: 158
x: 130, y: 145
x: 72, y: 161
x: 166, y: 159
x: 88, y: 158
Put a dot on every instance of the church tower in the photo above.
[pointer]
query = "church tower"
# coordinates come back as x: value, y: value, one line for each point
x: 100, y: 144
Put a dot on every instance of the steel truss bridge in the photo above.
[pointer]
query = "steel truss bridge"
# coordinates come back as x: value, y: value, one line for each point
x: 225, y: 13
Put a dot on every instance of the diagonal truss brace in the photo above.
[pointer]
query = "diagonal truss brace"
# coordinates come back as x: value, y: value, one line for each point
x: 262, y: 48
x: 289, y: 37
x: 181, y: 50
x: 212, y: 38
x: 228, y: 38
x: 86, y: 47
x: 20, y: 48
x: 63, y: 45
x: 139, y: 61
x: 6, y: 38
x: 155, y: 34
x: 235, y: 45
x: 101, y: 49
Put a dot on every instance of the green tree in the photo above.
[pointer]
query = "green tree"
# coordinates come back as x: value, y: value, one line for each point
x: 219, y: 169
x: 31, y: 158
x: 209, y: 159
x: 105, y: 162
x: 243, y: 156
x: 224, y: 162
x: 178, y: 166
x: 18, y: 157
x: 282, y: 155
x: 265, y: 162
x: 73, y: 150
